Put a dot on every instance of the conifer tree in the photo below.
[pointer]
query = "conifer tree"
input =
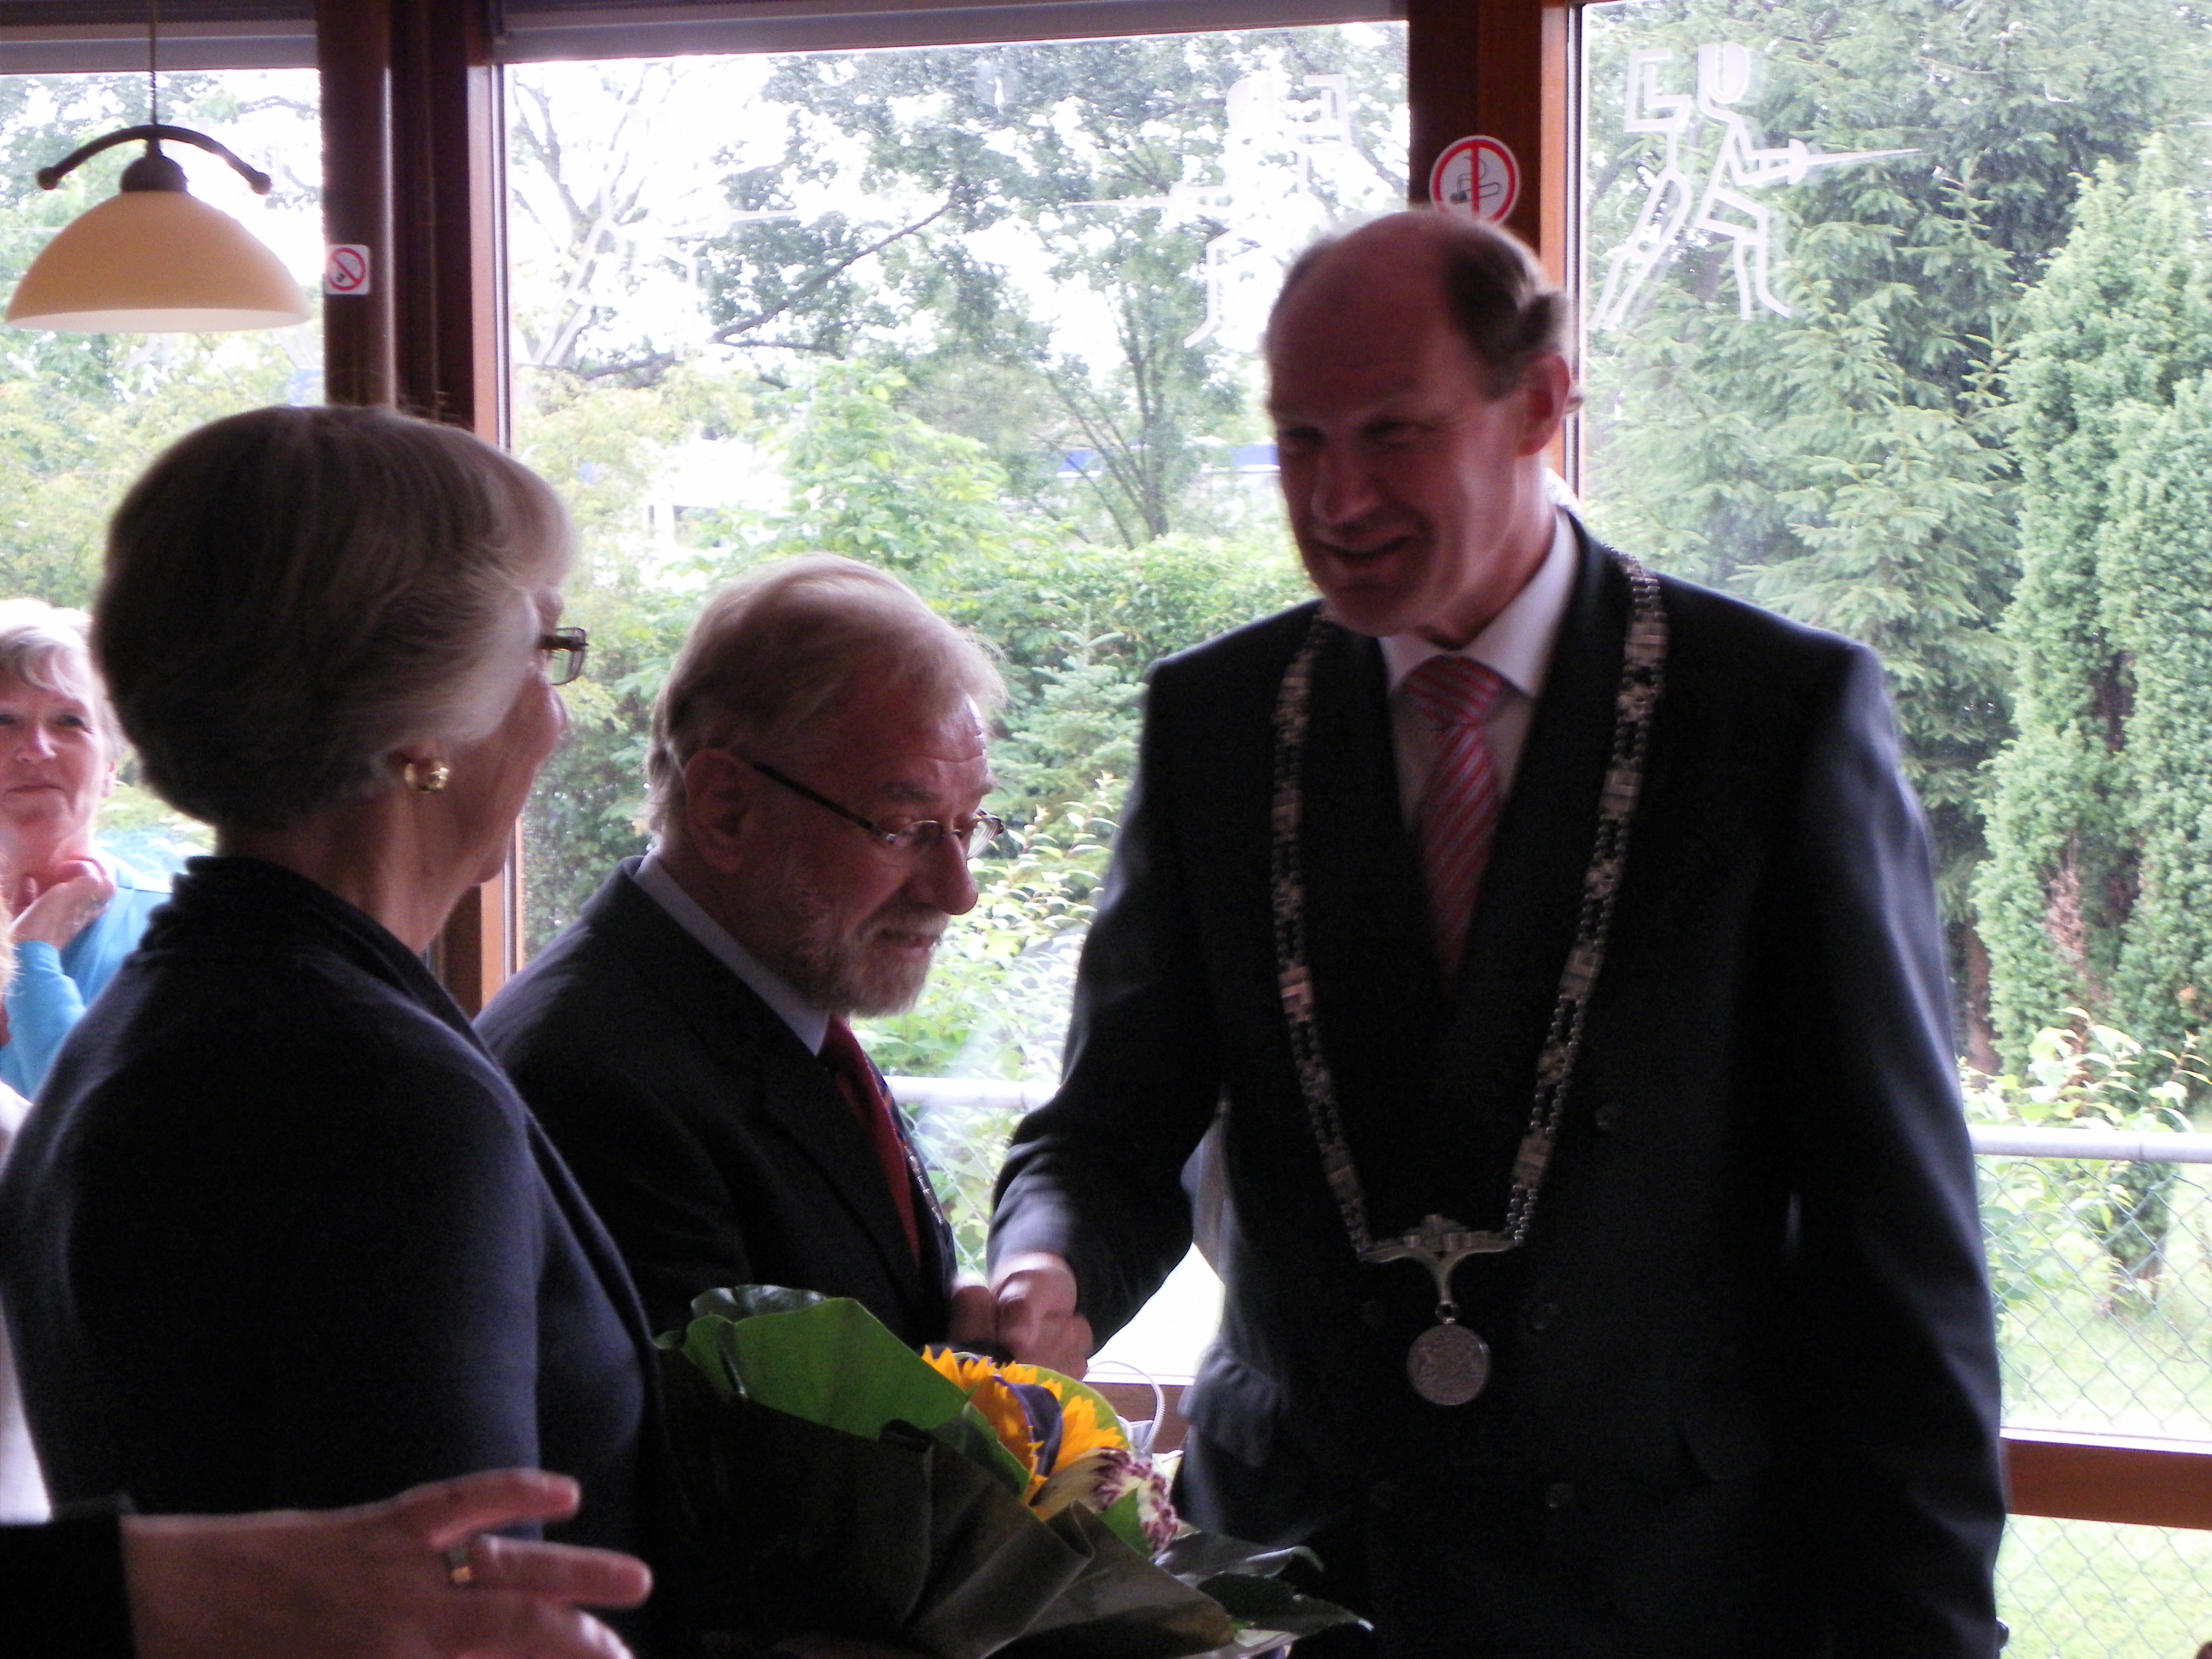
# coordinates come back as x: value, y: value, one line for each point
x: 2122, y: 318
x: 2157, y: 578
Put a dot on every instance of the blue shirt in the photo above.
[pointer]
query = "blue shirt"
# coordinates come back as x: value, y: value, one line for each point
x: 52, y: 988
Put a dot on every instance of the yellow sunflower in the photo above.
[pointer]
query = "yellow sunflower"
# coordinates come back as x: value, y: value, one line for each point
x: 1084, y: 1427
x: 1081, y: 1432
x: 978, y: 1379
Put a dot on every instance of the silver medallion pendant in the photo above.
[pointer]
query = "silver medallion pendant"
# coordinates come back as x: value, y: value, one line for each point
x: 1448, y: 1365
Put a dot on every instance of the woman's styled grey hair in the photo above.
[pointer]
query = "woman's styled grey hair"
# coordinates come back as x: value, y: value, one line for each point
x: 774, y: 655
x: 292, y: 594
x: 45, y: 646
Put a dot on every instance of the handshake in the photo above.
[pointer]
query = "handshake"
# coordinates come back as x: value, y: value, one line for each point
x: 1029, y: 1312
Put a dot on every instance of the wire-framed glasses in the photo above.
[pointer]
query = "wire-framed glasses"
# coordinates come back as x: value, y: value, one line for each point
x: 564, y: 650
x: 913, y: 840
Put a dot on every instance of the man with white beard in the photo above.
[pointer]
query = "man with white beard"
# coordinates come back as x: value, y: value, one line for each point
x: 817, y: 767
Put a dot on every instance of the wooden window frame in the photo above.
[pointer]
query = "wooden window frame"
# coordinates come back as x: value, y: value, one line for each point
x: 412, y: 133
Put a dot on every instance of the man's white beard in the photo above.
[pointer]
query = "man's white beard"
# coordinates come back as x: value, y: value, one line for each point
x: 842, y: 974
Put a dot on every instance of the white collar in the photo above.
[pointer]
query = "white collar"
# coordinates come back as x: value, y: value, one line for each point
x: 810, y: 1025
x: 1519, y: 640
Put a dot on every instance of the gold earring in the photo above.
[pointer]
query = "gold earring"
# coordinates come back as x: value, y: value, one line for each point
x: 426, y: 780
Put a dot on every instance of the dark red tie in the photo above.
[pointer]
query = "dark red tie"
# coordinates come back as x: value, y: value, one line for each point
x: 1458, y: 813
x: 865, y: 1093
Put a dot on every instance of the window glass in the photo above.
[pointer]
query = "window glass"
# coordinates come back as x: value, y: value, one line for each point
x: 1899, y: 320
x: 81, y: 415
x: 984, y: 316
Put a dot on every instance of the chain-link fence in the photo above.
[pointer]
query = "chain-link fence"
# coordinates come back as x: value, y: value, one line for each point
x: 2103, y: 1275
x: 962, y: 1125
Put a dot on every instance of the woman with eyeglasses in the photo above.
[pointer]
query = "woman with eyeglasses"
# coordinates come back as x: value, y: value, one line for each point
x: 281, y: 1234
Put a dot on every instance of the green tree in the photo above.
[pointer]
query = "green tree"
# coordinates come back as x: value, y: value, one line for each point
x: 2157, y: 571
x: 1853, y: 464
x: 2109, y: 606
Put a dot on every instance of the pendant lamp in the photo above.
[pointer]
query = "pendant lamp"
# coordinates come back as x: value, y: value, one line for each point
x: 155, y: 260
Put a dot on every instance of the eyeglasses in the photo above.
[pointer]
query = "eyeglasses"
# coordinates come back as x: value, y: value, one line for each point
x: 564, y: 650
x: 915, y: 839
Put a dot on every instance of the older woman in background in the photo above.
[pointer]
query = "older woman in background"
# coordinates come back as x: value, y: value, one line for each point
x: 280, y: 1234
x: 78, y: 913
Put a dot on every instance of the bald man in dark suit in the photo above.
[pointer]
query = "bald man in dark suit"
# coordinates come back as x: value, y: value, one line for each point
x: 1557, y: 949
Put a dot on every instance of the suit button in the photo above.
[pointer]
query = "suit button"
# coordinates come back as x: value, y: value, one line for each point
x: 1374, y: 1315
x: 1606, y: 1117
x: 1559, y: 1495
x: 1383, y: 1494
x: 1543, y: 1315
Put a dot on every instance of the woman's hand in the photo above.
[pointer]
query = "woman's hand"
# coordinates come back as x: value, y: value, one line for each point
x: 59, y: 914
x: 375, y: 1582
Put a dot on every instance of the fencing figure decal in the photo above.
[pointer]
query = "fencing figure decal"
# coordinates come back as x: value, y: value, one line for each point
x: 1726, y: 208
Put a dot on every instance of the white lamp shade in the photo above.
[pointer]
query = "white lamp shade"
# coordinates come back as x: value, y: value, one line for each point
x: 155, y: 262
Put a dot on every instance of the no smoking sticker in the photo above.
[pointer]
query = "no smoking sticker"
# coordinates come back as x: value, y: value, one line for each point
x: 1477, y: 178
x: 345, y: 269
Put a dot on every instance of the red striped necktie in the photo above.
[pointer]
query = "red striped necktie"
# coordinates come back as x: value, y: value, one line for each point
x: 863, y: 1092
x: 1457, y: 816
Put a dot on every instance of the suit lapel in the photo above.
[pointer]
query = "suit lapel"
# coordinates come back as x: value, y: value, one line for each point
x: 1525, y: 920
x: 765, y: 1062
x: 1378, y: 997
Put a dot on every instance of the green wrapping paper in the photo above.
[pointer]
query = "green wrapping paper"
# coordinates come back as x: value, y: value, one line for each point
x: 903, y: 1541
x: 914, y: 1534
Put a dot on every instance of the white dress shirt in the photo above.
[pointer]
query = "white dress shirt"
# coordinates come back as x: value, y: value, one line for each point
x: 810, y: 1025
x: 1516, y: 645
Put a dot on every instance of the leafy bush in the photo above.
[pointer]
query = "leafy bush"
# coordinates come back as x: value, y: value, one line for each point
x: 2046, y: 1221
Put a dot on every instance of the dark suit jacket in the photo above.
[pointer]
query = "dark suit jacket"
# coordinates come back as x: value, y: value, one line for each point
x: 718, y: 1149
x: 62, y: 1594
x: 1744, y: 1393
x: 279, y: 1234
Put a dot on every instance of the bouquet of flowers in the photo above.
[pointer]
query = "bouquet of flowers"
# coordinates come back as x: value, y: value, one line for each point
x: 844, y: 1484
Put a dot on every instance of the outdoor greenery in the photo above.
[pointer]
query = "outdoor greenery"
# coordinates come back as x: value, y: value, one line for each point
x: 1898, y: 457
x: 2097, y: 891
x: 2053, y: 1226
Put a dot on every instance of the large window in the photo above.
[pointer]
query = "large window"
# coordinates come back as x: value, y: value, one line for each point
x: 81, y: 414
x: 985, y: 316
x: 1898, y: 317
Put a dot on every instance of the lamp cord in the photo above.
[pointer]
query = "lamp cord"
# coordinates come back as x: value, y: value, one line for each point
x: 153, y: 63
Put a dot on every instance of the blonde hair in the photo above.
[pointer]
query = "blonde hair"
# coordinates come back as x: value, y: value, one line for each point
x: 774, y: 655
x: 46, y: 646
x: 293, y: 593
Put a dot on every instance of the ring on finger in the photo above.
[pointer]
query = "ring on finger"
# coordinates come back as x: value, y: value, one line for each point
x: 460, y: 1572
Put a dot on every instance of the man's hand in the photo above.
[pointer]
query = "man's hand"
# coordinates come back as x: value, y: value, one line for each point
x: 375, y: 1583
x: 1038, y: 1323
x: 974, y: 1322
x: 59, y: 914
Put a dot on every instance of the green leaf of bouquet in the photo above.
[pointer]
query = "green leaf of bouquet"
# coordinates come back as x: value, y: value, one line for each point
x: 1123, y: 1520
x: 1269, y: 1604
x: 971, y: 1435
x: 835, y: 1365
x: 1197, y: 1556
x: 739, y: 1302
x: 707, y: 1344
